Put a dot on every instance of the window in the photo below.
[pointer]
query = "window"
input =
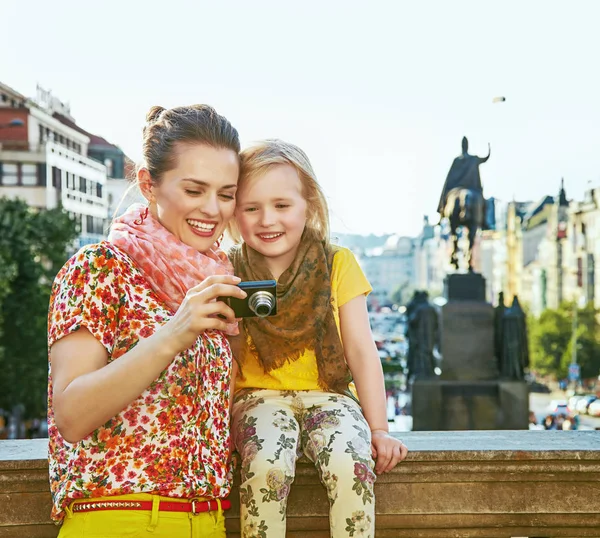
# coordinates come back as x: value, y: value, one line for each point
x: 10, y: 174
x: 94, y: 225
x: 82, y: 184
x: 56, y: 178
x: 29, y: 175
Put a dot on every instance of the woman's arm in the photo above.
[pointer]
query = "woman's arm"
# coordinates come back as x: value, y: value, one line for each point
x: 87, y: 391
x: 365, y: 365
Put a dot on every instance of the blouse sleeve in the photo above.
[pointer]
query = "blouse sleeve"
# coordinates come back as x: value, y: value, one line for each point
x: 86, y: 294
x: 347, y: 277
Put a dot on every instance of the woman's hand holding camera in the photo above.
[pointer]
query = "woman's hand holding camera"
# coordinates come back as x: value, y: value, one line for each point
x: 201, y: 311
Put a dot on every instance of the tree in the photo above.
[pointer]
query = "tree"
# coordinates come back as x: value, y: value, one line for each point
x: 551, y: 341
x: 33, y: 247
x: 588, y: 344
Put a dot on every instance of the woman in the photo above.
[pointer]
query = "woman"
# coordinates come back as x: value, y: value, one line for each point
x: 139, y: 362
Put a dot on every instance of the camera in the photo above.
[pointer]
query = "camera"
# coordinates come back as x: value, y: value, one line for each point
x: 261, y: 299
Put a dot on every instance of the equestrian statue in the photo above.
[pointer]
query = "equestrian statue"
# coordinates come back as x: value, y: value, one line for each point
x: 462, y: 201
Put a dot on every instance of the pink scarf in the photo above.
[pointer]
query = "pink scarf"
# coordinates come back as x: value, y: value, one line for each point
x: 170, y: 266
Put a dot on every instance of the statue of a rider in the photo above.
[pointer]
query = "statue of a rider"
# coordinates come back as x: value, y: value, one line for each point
x: 462, y: 200
x: 464, y: 173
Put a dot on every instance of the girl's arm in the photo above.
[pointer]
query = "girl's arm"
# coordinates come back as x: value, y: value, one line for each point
x: 365, y: 365
x: 88, y: 391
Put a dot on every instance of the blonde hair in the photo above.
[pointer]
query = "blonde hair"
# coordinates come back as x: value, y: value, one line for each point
x: 259, y: 158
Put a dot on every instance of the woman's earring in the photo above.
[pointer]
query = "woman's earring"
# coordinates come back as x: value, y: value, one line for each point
x: 143, y: 217
x: 219, y: 241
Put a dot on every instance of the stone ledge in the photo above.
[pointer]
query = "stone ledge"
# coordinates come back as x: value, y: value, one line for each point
x: 490, y: 484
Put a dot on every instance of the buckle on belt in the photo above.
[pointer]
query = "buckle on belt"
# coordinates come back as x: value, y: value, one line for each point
x: 197, y: 507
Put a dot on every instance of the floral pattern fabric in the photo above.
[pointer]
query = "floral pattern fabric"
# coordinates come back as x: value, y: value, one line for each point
x: 273, y: 428
x: 174, y: 439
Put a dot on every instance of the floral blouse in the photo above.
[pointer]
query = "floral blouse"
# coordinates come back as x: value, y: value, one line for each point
x: 174, y: 439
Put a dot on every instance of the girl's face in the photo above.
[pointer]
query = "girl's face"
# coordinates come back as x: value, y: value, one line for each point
x: 271, y: 215
x: 196, y: 199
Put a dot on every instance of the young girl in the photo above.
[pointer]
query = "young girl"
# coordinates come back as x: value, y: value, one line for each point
x: 294, y: 387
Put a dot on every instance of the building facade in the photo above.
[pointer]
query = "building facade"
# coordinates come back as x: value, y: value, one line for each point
x: 48, y: 161
x: 389, y: 268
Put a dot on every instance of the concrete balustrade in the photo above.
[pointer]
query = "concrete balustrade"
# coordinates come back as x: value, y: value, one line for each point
x: 488, y: 484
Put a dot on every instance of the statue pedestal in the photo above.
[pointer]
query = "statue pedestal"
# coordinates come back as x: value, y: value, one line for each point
x: 464, y: 287
x: 467, y: 345
x: 469, y: 394
x: 471, y: 405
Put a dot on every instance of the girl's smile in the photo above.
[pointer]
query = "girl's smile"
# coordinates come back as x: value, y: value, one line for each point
x: 271, y: 215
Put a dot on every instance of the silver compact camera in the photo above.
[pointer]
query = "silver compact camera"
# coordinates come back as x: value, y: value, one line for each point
x: 260, y: 301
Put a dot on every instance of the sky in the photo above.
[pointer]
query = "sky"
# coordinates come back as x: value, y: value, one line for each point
x: 379, y: 94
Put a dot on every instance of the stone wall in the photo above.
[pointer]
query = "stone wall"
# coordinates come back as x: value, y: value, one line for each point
x: 488, y: 484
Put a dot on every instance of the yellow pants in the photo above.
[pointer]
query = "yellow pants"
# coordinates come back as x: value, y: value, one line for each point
x: 138, y: 523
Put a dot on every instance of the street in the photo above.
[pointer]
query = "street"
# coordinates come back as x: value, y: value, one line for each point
x: 539, y: 403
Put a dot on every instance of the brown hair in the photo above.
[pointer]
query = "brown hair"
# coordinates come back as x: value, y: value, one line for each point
x: 165, y: 128
x: 258, y: 159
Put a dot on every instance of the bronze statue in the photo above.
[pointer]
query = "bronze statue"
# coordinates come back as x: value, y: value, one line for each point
x: 498, y: 330
x: 423, y: 336
x: 515, y: 348
x: 462, y: 200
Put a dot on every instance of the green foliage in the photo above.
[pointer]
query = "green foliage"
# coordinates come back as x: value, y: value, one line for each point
x: 588, y: 344
x: 551, y: 341
x: 33, y: 247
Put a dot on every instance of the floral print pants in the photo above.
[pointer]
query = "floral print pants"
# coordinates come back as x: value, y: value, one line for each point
x: 273, y: 428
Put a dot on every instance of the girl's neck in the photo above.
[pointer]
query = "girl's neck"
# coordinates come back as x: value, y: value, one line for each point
x: 279, y: 264
x: 276, y: 266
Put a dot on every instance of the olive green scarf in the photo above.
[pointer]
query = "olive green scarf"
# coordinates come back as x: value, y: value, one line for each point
x: 304, y: 317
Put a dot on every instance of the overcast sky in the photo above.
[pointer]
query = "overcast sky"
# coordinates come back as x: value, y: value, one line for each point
x: 379, y: 94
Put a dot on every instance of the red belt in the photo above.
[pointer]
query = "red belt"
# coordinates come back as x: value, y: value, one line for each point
x: 195, y: 507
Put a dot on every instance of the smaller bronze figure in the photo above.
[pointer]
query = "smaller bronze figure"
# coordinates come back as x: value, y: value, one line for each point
x: 423, y: 336
x: 515, y: 348
x: 498, y: 331
x: 462, y: 200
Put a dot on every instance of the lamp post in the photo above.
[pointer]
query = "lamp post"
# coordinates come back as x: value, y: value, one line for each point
x: 574, y: 369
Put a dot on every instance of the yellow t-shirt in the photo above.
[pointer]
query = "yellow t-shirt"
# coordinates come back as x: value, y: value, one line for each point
x: 347, y: 282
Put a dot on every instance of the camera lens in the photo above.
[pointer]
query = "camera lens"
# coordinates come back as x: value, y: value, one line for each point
x: 261, y: 303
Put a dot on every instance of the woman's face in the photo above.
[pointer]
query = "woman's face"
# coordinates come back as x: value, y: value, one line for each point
x: 196, y: 199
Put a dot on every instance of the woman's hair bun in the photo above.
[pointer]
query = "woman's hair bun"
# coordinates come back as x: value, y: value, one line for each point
x: 154, y: 113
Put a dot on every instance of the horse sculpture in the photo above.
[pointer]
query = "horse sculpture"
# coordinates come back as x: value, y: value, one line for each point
x: 465, y: 208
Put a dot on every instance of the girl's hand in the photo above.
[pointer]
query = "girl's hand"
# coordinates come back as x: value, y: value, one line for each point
x: 201, y: 311
x: 387, y: 451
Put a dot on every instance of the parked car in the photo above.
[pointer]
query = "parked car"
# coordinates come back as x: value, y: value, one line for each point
x: 558, y: 407
x: 594, y: 408
x: 573, y: 400
x: 535, y: 386
x: 583, y: 403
